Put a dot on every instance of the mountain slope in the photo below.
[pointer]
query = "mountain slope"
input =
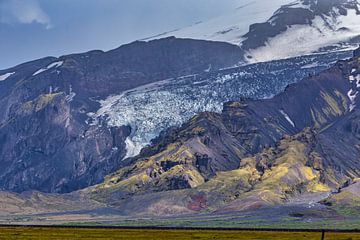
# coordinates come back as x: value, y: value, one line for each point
x: 255, y: 153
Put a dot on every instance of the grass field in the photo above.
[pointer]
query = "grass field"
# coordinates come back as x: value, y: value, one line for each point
x: 112, y: 234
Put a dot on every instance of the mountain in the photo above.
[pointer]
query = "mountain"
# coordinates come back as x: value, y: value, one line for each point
x: 67, y: 122
x: 304, y: 143
x: 46, y: 142
x: 270, y: 30
x: 292, y: 157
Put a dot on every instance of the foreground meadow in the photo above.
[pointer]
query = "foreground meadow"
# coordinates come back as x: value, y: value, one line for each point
x: 112, y: 234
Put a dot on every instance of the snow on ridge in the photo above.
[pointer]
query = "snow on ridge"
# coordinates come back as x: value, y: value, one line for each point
x: 6, y: 76
x: 286, y: 116
x: 324, y: 31
x: 230, y: 27
x: 52, y: 65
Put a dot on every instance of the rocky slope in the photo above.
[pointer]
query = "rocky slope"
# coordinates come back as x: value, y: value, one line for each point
x: 254, y: 154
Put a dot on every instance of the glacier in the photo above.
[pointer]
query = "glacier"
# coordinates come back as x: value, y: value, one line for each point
x: 153, y: 108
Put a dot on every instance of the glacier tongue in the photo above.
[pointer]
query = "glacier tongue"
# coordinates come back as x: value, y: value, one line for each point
x: 152, y: 108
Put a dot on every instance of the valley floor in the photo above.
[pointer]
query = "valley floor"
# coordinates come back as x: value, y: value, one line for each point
x: 281, y: 217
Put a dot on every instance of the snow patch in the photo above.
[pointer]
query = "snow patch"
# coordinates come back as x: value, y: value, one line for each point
x: 52, y: 65
x: 357, y: 78
x: 287, y: 118
x: 311, y: 65
x: 71, y: 95
x: 6, y: 76
x: 352, y: 96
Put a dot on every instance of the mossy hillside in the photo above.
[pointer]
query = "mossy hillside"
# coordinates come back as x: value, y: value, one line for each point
x: 168, y: 170
x: 39, y: 103
x: 348, y: 196
x: 274, y: 176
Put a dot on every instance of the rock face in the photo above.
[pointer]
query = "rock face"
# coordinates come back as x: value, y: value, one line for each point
x: 357, y: 52
x: 43, y: 147
x: 47, y: 141
x: 255, y: 153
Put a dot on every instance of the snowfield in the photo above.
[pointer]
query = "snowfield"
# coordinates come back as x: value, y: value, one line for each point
x: 326, y: 30
x: 230, y: 27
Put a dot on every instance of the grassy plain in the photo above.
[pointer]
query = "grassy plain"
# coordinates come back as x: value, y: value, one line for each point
x: 123, y: 234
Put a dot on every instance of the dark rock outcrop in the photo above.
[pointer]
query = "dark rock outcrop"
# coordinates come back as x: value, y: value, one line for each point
x: 357, y: 52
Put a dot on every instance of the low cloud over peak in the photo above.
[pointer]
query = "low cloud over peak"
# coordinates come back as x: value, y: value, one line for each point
x: 24, y: 12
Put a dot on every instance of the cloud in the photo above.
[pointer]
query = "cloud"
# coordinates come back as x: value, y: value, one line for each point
x: 24, y: 12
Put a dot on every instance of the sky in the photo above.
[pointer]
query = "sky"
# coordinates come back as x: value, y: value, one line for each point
x: 31, y: 29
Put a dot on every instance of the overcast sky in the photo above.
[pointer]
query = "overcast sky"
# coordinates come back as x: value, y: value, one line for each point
x: 30, y: 29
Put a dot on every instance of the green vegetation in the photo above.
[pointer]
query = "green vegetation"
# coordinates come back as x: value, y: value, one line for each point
x: 107, y: 234
x: 229, y: 222
x: 39, y: 103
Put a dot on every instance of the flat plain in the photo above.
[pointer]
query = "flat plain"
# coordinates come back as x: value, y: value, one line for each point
x: 20, y: 233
